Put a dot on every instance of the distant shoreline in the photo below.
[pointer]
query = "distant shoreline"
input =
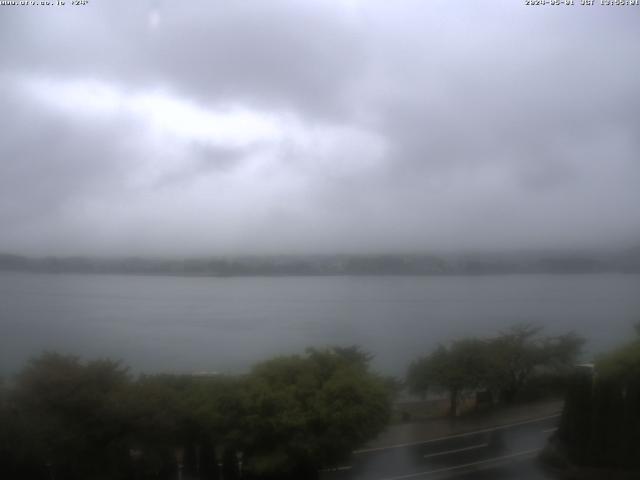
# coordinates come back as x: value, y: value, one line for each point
x: 332, y: 265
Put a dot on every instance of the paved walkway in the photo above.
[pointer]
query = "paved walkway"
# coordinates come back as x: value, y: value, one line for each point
x: 442, y: 427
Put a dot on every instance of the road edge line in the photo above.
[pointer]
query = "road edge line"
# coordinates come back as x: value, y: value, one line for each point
x: 456, y: 435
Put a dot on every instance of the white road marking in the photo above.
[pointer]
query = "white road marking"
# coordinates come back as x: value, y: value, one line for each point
x: 549, y: 430
x: 465, y: 465
x: 458, y: 435
x: 337, y: 469
x: 457, y: 450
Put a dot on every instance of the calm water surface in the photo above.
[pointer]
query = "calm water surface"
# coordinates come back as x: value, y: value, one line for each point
x: 225, y: 324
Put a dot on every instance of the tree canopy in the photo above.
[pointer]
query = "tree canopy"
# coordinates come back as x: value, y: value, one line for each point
x: 286, y: 418
x: 502, y: 364
x: 305, y: 412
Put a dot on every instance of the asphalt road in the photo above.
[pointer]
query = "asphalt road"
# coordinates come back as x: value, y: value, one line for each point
x: 501, y: 453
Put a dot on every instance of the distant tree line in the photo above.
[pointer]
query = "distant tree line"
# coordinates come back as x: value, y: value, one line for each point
x: 63, y: 418
x: 503, y: 366
x: 310, y: 265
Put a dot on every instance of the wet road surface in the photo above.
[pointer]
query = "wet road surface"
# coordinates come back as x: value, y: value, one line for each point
x: 505, y: 452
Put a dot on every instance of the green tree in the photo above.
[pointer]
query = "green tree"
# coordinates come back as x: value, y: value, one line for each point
x: 600, y: 424
x: 305, y: 412
x: 520, y: 352
x: 504, y: 364
x: 187, y: 416
x: 622, y: 364
x: 289, y: 416
x: 68, y: 416
x: 417, y: 378
x: 458, y: 368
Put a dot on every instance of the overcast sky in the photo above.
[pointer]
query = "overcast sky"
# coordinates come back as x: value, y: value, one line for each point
x: 232, y: 127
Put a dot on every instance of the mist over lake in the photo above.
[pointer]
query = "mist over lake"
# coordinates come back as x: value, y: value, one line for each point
x: 178, y: 324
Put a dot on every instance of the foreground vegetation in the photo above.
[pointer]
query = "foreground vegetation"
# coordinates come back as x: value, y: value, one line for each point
x: 600, y: 428
x: 501, y: 368
x: 287, y: 418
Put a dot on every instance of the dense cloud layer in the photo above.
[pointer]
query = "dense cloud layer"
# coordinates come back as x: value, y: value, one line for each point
x: 290, y: 127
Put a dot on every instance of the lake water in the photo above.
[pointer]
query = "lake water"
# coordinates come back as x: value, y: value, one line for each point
x: 181, y: 324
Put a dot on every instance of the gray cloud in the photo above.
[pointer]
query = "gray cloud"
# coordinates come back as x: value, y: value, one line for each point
x: 204, y: 160
x: 277, y: 54
x: 49, y: 160
x: 367, y: 126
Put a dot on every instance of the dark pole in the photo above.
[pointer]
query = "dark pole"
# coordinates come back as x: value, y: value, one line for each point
x: 219, y: 456
x: 49, y: 466
x: 239, y: 457
x: 198, y: 461
x: 135, y: 454
x: 179, y: 453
